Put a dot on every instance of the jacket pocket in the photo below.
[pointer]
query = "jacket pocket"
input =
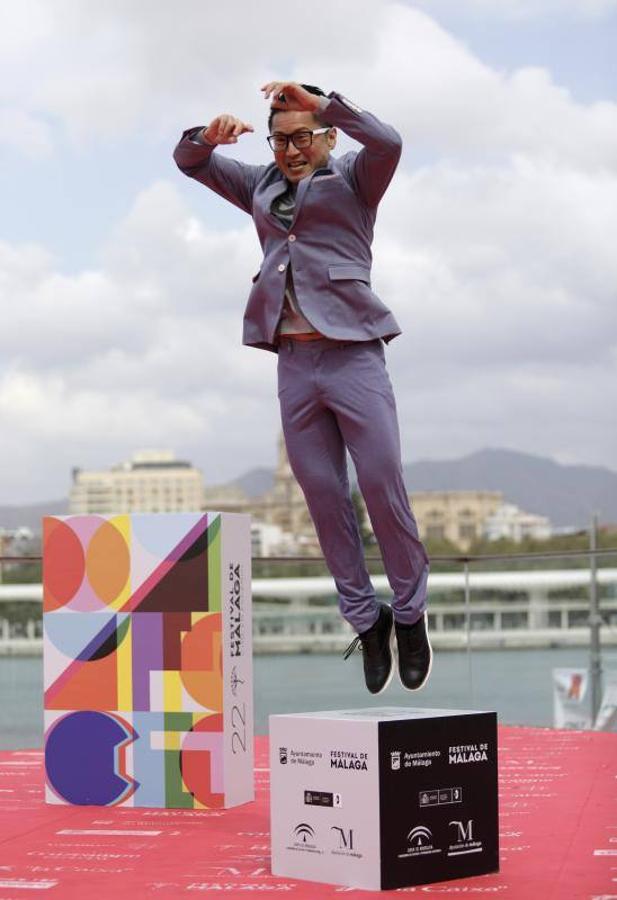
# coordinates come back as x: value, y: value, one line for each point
x: 357, y: 273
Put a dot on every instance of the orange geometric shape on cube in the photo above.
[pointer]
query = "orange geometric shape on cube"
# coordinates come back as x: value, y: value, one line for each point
x: 202, y: 664
x: 108, y: 562
x: 201, y: 768
x: 92, y: 684
x: 63, y: 564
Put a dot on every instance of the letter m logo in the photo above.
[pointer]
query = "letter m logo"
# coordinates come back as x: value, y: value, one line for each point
x: 465, y: 832
x: 345, y: 837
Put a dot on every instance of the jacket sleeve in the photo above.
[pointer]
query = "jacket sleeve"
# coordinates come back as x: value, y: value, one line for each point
x: 374, y: 166
x: 232, y: 179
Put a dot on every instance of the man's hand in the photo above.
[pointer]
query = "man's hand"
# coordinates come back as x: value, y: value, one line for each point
x: 289, y: 95
x: 225, y: 129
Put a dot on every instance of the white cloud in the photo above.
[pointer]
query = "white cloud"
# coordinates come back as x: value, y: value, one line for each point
x: 57, y: 404
x: 503, y: 266
x: 26, y: 27
x: 503, y: 280
x: 446, y: 101
x: 162, y: 246
x: 145, y: 351
x: 106, y: 69
x: 57, y: 320
x: 112, y: 70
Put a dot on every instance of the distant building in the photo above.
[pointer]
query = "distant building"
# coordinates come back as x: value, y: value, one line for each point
x: 271, y: 540
x: 155, y: 481
x: 226, y: 498
x: 456, y: 516
x: 281, y: 524
x: 510, y: 522
x: 15, y: 542
x: 284, y: 505
x: 15, y: 538
x: 152, y: 481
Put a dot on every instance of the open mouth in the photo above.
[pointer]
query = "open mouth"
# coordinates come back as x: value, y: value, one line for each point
x: 296, y: 166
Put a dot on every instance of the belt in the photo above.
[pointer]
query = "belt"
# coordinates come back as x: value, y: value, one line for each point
x: 324, y: 343
x: 302, y: 336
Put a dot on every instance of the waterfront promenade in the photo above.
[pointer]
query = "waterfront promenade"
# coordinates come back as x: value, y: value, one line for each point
x: 499, y: 609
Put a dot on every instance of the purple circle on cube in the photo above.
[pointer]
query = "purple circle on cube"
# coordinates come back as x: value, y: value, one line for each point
x: 82, y: 758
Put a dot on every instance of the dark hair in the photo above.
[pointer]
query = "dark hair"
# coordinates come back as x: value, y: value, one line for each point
x: 307, y: 87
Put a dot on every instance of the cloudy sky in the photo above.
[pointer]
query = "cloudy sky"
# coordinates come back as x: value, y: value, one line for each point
x: 123, y: 283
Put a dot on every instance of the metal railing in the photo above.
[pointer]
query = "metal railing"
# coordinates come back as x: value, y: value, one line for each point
x: 470, y: 581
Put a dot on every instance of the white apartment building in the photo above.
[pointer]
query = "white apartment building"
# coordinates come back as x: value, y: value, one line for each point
x: 151, y: 481
x: 271, y: 540
x: 508, y: 521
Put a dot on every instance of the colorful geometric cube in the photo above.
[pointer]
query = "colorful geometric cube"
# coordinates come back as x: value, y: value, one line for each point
x: 148, y: 660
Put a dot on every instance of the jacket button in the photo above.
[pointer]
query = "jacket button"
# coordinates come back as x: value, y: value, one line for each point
x: 282, y: 267
x: 292, y: 238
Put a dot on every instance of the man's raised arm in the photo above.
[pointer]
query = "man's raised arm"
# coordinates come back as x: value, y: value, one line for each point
x: 375, y: 164
x: 232, y: 179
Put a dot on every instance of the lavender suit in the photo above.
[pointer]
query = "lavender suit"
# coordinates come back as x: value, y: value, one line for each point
x: 334, y: 393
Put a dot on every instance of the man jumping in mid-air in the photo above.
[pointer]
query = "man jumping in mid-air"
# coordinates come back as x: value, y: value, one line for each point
x: 312, y: 303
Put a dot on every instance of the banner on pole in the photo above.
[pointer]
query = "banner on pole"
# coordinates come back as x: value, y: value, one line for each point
x: 570, y: 698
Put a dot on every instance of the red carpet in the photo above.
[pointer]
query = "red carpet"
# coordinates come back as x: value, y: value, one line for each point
x: 558, y: 827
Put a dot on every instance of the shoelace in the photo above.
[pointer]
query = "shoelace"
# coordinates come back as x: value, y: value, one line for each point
x: 367, y: 638
x: 366, y: 641
x: 350, y: 649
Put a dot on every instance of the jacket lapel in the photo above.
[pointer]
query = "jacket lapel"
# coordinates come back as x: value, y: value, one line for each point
x: 304, y: 185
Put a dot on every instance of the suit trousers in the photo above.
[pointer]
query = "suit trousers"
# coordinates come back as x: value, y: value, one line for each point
x: 334, y: 396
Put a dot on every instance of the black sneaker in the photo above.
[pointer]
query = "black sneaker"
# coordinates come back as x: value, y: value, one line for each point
x: 376, y: 651
x: 415, y: 655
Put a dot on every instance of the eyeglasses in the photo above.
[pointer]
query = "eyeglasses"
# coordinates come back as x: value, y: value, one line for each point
x: 300, y: 139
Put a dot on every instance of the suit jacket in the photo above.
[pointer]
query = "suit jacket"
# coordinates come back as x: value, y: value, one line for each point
x: 329, y: 242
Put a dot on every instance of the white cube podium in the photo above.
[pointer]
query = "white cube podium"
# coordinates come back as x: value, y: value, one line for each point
x: 384, y: 798
x: 148, y: 660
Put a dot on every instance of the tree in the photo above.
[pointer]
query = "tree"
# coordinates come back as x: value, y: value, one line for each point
x: 366, y: 533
